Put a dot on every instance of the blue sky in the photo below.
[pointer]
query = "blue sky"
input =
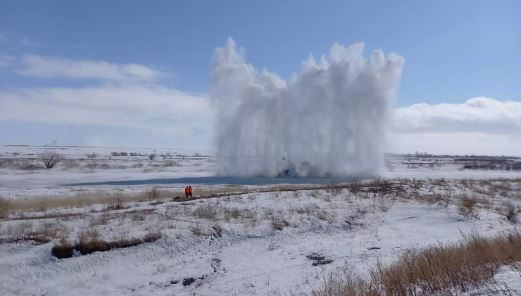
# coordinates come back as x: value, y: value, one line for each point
x: 454, y: 50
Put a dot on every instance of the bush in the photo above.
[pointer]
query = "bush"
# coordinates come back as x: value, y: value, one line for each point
x: 62, y: 250
x: 50, y: 159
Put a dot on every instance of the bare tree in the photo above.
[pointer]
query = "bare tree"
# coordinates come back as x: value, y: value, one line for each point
x: 50, y: 159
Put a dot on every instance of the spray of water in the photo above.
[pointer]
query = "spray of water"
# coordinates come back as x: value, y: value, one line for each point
x: 327, y: 120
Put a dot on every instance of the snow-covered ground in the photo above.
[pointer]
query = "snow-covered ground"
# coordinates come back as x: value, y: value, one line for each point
x: 259, y: 240
x: 22, y: 173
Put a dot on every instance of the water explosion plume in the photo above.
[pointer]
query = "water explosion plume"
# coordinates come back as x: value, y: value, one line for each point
x: 328, y: 120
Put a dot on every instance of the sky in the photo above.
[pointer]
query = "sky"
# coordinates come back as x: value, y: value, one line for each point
x: 137, y: 73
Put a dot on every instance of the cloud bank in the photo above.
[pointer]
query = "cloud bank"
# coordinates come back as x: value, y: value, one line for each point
x: 154, y: 108
x: 480, y: 125
x: 53, y: 67
x: 123, y: 99
x: 328, y: 120
x: 478, y: 114
x: 117, y: 102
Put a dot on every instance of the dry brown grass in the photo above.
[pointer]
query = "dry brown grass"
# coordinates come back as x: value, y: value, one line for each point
x: 4, y: 208
x: 208, y: 212
x: 197, y: 230
x: 429, y: 191
x: 510, y: 211
x: 279, y: 223
x: 112, y: 200
x: 62, y: 250
x: 43, y: 232
x: 52, y: 230
x: 467, y: 207
x: 231, y: 213
x: 20, y: 230
x: 90, y: 242
x: 440, y: 270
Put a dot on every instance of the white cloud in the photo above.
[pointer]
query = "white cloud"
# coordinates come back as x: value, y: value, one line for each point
x: 479, y: 114
x: 160, y: 110
x: 54, y: 67
x: 479, y: 126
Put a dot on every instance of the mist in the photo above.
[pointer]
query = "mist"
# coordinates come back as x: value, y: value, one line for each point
x: 327, y: 120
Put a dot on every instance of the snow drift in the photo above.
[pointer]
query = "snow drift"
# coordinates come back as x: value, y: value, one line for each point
x: 328, y: 120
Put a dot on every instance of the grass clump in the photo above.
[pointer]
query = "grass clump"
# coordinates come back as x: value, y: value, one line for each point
x: 279, y: 223
x: 467, y: 207
x: 4, y: 208
x: 439, y: 270
x: 90, y: 243
x: 510, y: 212
x: 63, y: 249
x: 208, y: 212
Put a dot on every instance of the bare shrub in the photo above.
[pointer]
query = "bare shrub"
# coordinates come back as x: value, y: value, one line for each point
x: 50, y: 159
x: 152, y: 156
x: 440, y: 270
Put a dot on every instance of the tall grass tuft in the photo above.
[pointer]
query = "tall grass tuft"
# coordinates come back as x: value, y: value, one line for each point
x: 440, y: 270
